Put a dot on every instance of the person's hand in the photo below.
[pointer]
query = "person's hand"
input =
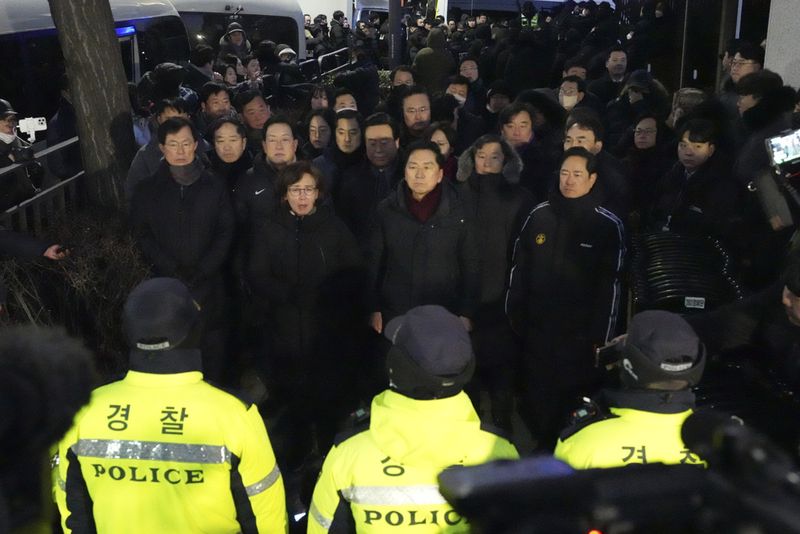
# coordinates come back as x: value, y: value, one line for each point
x: 376, y: 322
x: 56, y: 252
x: 217, y: 77
x: 467, y: 322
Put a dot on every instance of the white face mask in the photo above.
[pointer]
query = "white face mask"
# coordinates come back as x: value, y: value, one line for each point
x: 7, y: 138
x: 460, y: 99
x: 568, y: 101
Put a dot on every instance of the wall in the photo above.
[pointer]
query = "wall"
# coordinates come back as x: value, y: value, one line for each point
x: 782, y: 34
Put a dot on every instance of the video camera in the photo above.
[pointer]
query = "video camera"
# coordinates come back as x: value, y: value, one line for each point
x: 30, y: 125
x: 750, y: 486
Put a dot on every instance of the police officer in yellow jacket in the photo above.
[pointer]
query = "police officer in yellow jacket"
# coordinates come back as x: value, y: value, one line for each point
x: 661, y: 357
x: 383, y: 479
x: 162, y: 450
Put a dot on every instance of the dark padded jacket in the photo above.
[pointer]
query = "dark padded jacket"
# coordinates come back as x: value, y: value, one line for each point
x: 413, y: 263
x: 296, y: 262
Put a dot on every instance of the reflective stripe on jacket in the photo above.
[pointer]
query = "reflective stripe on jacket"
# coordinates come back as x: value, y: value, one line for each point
x: 168, y: 453
x: 385, y: 479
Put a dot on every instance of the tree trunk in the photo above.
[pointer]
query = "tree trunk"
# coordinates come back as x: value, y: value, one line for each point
x: 99, y: 93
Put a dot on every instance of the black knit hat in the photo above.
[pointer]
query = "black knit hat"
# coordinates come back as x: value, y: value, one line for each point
x: 661, y: 346
x: 159, y: 314
x: 431, y: 356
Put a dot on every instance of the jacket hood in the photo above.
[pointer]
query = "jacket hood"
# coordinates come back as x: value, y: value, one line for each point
x: 423, y: 432
x: 511, y: 168
x: 436, y: 39
x: 772, y: 105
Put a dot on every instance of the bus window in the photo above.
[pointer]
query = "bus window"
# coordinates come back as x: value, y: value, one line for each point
x: 209, y: 28
x: 30, y: 67
x: 161, y: 39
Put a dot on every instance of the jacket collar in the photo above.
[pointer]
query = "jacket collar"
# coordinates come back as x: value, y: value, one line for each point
x: 650, y: 400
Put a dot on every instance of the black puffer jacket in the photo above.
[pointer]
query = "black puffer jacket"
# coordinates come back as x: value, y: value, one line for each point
x: 708, y: 202
x: 412, y: 263
x: 564, y: 292
x: 302, y: 270
x: 499, y: 205
x: 255, y: 196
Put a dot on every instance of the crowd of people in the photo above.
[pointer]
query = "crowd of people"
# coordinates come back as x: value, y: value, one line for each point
x: 499, y: 177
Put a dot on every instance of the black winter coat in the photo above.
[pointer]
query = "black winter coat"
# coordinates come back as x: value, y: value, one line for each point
x: 758, y: 322
x: 255, y: 196
x: 302, y: 270
x: 363, y: 188
x: 706, y: 203
x: 186, y: 232
x: 565, y: 292
x: 412, y: 263
x: 498, y: 205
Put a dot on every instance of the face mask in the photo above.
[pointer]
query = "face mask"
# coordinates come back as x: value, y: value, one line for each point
x: 568, y: 101
x: 7, y: 138
x: 460, y: 99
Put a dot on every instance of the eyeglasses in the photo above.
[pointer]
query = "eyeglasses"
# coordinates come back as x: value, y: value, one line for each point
x: 413, y: 111
x: 644, y: 131
x: 740, y: 62
x: 297, y: 192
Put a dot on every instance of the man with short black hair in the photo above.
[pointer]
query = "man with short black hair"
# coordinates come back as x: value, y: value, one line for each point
x: 365, y: 185
x: 416, y: 109
x: 344, y: 99
x: 199, y: 70
x: 255, y: 195
x: 423, y: 424
x: 255, y: 111
x: 215, y: 103
x: 183, y: 221
x: 584, y: 129
x: 608, y: 87
x: 423, y: 248
x: 147, y: 159
x: 564, y: 294
x: 340, y: 32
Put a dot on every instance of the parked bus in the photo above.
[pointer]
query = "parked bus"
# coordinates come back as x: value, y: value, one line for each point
x: 280, y: 21
x: 31, y: 62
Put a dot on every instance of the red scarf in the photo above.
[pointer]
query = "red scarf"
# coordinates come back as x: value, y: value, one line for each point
x: 424, y: 209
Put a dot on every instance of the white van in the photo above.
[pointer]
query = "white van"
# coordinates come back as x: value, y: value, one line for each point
x: 280, y: 21
x: 31, y: 63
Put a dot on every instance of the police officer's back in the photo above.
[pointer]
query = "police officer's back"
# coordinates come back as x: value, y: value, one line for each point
x: 162, y: 450
x: 661, y: 358
x: 384, y: 478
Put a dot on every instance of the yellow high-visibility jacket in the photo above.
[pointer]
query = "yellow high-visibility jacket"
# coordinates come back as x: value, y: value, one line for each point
x: 628, y: 437
x: 384, y: 479
x: 168, y: 453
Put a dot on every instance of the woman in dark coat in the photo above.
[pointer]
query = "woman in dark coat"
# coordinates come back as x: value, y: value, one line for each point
x: 305, y: 268
x: 488, y: 174
x: 318, y: 130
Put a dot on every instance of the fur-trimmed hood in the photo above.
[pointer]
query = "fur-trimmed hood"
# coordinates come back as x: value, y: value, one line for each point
x: 512, y: 168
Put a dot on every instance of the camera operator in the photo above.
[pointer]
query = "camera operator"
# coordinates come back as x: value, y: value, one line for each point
x: 661, y: 358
